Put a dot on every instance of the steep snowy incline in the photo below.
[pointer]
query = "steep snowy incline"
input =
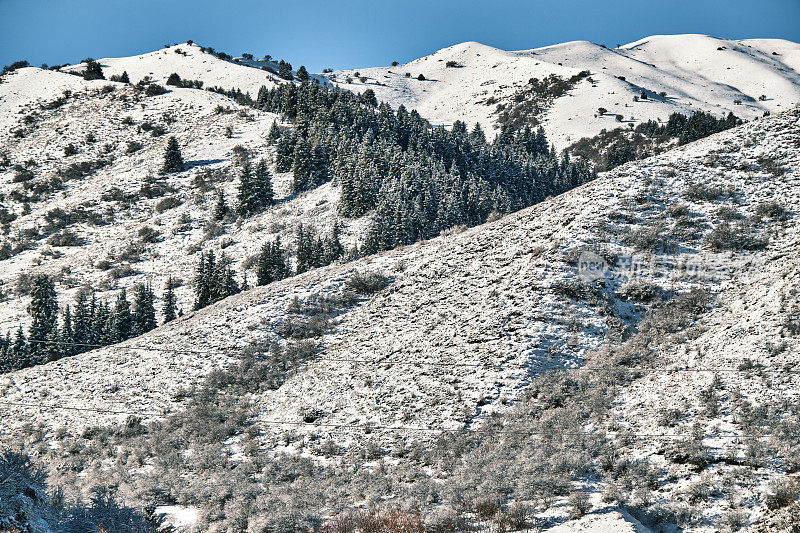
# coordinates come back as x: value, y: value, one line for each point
x: 500, y: 300
x: 695, y: 72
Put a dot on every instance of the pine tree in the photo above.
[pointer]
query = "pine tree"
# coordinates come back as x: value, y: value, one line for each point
x: 274, y: 133
x: 173, y: 160
x: 249, y: 202
x: 302, y: 166
x: 203, y: 281
x: 20, y: 351
x: 123, y: 319
x: 93, y: 71
x: 302, y: 74
x: 285, y: 70
x: 333, y: 248
x: 66, y: 333
x: 284, y: 154
x: 221, y: 207
x: 124, y: 78
x: 82, y: 321
x: 169, y: 308
x: 271, y: 263
x: 263, y: 184
x: 144, y: 313
x: 43, y: 310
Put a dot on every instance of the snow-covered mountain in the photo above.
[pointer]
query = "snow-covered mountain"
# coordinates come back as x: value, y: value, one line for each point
x: 504, y: 301
x: 469, y: 319
x: 696, y: 72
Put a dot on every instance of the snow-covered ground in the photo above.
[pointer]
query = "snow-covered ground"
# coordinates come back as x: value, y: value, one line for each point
x: 469, y: 317
x: 488, y: 297
x: 697, y: 72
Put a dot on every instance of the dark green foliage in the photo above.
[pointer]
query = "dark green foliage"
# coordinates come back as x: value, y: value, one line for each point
x: 93, y: 71
x: 274, y: 133
x: 175, y: 80
x: 169, y: 307
x: 221, y: 207
x: 154, y: 89
x: 14, y: 66
x: 173, y: 160
x: 144, y: 312
x: 285, y: 70
x: 121, y: 78
x: 214, y: 280
x: 43, y: 311
x: 255, y: 188
x: 302, y: 74
x: 421, y: 179
x: 612, y: 148
x: 271, y: 265
x: 313, y: 251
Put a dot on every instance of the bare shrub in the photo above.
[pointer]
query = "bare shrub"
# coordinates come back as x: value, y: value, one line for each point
x: 367, y: 282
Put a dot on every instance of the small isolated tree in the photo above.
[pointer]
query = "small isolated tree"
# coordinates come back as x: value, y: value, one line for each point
x: 93, y: 71
x: 421, y: 77
x: 395, y: 63
x: 170, y: 307
x: 174, y: 79
x: 602, y: 111
x: 173, y: 160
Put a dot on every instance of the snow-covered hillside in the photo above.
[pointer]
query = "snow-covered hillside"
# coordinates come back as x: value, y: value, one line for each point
x: 696, y: 72
x: 468, y: 318
x: 191, y: 63
x: 123, y: 123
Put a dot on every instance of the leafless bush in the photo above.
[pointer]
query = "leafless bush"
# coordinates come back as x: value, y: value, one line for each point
x: 367, y: 282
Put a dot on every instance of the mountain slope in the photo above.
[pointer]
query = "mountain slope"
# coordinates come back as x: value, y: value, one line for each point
x: 696, y: 72
x: 468, y: 318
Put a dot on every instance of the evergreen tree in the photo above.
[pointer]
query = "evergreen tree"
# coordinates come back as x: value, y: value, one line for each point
x: 43, y: 311
x: 203, y: 280
x: 20, y: 351
x: 249, y: 202
x: 285, y: 70
x: 302, y: 165
x: 66, y: 333
x: 123, y: 318
x: 332, y: 249
x: 274, y: 133
x: 124, y: 78
x: 93, y: 71
x: 82, y: 318
x: 271, y: 263
x: 302, y: 74
x: 144, y: 313
x: 173, y: 160
x: 263, y: 184
x: 169, y: 308
x: 284, y: 154
x: 221, y: 207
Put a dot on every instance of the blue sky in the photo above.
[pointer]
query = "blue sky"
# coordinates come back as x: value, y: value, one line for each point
x: 361, y: 33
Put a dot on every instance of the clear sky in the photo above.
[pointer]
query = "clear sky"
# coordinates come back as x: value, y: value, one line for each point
x: 362, y: 33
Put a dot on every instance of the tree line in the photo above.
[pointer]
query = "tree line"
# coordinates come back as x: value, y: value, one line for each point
x: 84, y: 325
